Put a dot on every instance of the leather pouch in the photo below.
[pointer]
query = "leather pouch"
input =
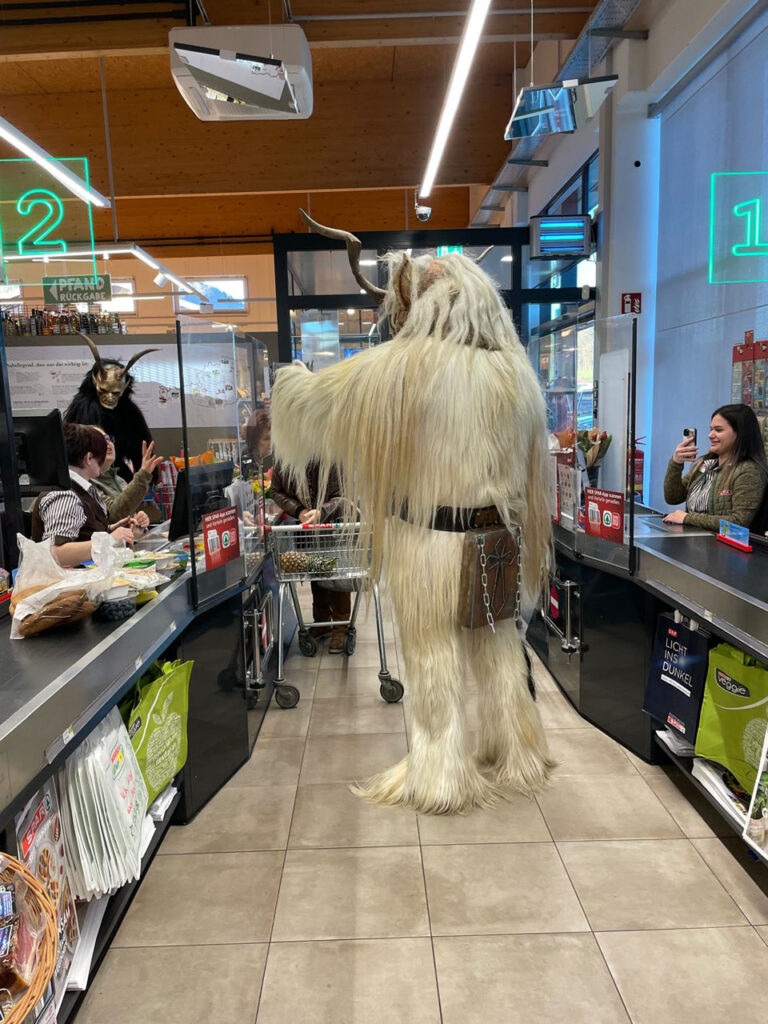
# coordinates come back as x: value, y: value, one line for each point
x: 495, y: 553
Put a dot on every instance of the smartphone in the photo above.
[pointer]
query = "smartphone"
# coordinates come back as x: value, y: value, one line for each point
x: 688, y: 433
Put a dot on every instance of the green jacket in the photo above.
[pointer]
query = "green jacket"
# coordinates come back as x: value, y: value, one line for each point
x: 736, y: 494
x: 120, y: 498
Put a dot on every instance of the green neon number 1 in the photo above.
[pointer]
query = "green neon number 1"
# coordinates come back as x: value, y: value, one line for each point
x: 752, y: 211
x: 37, y: 236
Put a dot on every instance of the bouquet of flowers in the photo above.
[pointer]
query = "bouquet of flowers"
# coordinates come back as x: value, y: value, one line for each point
x: 265, y: 488
x: 594, y: 443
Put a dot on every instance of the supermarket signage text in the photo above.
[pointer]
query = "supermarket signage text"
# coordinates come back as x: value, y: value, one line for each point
x: 738, y: 227
x: 77, y: 289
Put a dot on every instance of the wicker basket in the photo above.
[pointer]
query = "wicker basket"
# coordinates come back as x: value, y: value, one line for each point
x: 48, y: 947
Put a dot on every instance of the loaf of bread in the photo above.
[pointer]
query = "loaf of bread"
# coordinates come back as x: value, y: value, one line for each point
x: 66, y: 607
x: 19, y: 595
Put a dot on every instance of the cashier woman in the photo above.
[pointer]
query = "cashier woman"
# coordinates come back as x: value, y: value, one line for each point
x: 71, y: 517
x: 729, y: 482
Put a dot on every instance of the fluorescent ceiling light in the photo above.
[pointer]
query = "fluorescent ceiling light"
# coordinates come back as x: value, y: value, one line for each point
x: 131, y: 249
x: 72, y: 254
x: 350, y: 312
x: 54, y: 167
x: 461, y: 68
x: 507, y: 258
x: 367, y: 263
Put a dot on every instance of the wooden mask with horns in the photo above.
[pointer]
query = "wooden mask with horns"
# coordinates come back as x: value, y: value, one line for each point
x: 111, y: 379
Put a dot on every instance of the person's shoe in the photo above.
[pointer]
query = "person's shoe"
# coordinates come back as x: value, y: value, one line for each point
x: 319, y: 632
x: 338, y: 638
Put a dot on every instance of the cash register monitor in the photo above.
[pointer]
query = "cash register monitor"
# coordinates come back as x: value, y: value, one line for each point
x: 202, y: 490
x: 41, y: 454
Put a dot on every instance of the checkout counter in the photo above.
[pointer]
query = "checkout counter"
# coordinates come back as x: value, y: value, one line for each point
x: 57, y: 686
x: 595, y: 629
x: 596, y: 625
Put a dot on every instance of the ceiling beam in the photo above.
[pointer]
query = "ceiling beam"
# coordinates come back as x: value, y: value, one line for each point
x: 374, y: 135
x: 98, y: 38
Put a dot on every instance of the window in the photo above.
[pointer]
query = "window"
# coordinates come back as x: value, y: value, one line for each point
x: 121, y: 301
x: 225, y: 295
x: 579, y: 195
x: 593, y: 185
x: 10, y: 294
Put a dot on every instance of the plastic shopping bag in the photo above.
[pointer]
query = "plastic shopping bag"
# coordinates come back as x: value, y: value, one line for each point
x: 734, y: 713
x: 157, y: 725
x: 48, y: 595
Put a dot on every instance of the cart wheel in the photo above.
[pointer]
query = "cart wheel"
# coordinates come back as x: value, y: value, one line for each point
x: 350, y: 644
x: 307, y: 645
x: 391, y: 690
x: 286, y: 696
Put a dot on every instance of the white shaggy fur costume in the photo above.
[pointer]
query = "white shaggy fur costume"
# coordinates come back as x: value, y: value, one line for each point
x: 448, y: 413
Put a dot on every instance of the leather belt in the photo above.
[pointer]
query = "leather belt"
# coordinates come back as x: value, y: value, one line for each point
x: 459, y: 520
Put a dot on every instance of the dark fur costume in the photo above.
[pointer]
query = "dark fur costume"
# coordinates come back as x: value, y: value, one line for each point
x: 125, y: 422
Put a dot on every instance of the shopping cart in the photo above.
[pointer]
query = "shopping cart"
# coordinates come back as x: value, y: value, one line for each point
x: 326, y: 554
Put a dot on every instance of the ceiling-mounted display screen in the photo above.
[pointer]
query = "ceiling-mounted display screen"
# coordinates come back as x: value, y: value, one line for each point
x: 561, y: 107
x: 243, y: 72
x: 542, y: 110
x: 240, y: 77
x: 557, y: 237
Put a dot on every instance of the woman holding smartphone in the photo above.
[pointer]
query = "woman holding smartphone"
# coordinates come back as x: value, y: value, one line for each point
x: 729, y: 482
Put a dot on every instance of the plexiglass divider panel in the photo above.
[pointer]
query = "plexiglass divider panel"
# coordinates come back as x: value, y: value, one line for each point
x: 586, y: 369
x: 214, y: 505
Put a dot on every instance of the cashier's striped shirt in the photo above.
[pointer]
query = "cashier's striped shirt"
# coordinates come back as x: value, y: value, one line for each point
x: 63, y: 514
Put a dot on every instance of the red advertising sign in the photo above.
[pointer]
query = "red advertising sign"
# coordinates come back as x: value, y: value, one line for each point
x: 221, y: 537
x: 605, y: 514
x: 631, y: 302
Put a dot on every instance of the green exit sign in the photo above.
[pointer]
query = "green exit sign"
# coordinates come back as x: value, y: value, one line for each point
x: 443, y: 250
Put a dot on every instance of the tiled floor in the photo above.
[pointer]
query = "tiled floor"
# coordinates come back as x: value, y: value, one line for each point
x: 611, y: 898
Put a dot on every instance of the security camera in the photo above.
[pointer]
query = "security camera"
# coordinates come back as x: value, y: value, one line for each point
x: 422, y: 212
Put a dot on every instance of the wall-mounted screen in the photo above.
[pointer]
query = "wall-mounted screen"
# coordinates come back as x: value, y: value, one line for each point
x: 556, y: 237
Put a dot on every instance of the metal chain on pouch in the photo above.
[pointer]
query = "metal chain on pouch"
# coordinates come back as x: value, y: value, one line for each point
x: 484, y: 582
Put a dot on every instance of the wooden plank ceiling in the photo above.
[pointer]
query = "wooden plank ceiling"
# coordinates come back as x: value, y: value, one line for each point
x: 380, y: 71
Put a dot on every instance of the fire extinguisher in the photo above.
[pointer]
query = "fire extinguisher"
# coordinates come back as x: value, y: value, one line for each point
x: 636, y: 468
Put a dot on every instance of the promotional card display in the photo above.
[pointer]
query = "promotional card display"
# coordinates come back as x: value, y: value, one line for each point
x: 41, y: 844
x: 759, y: 395
x: 103, y: 806
x: 554, y: 494
x: 677, y: 676
x: 569, y: 480
x: 742, y: 370
x: 734, y: 713
x: 605, y: 514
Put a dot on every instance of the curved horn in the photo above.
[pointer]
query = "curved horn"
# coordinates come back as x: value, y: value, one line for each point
x: 136, y: 358
x: 354, y: 248
x: 479, y: 259
x: 94, y: 350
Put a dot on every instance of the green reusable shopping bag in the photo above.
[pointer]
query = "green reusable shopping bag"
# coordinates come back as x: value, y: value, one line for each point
x: 158, y: 725
x: 734, y: 713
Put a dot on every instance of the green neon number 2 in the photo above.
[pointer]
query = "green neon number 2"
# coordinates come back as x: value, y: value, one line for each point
x: 752, y: 246
x: 36, y: 239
